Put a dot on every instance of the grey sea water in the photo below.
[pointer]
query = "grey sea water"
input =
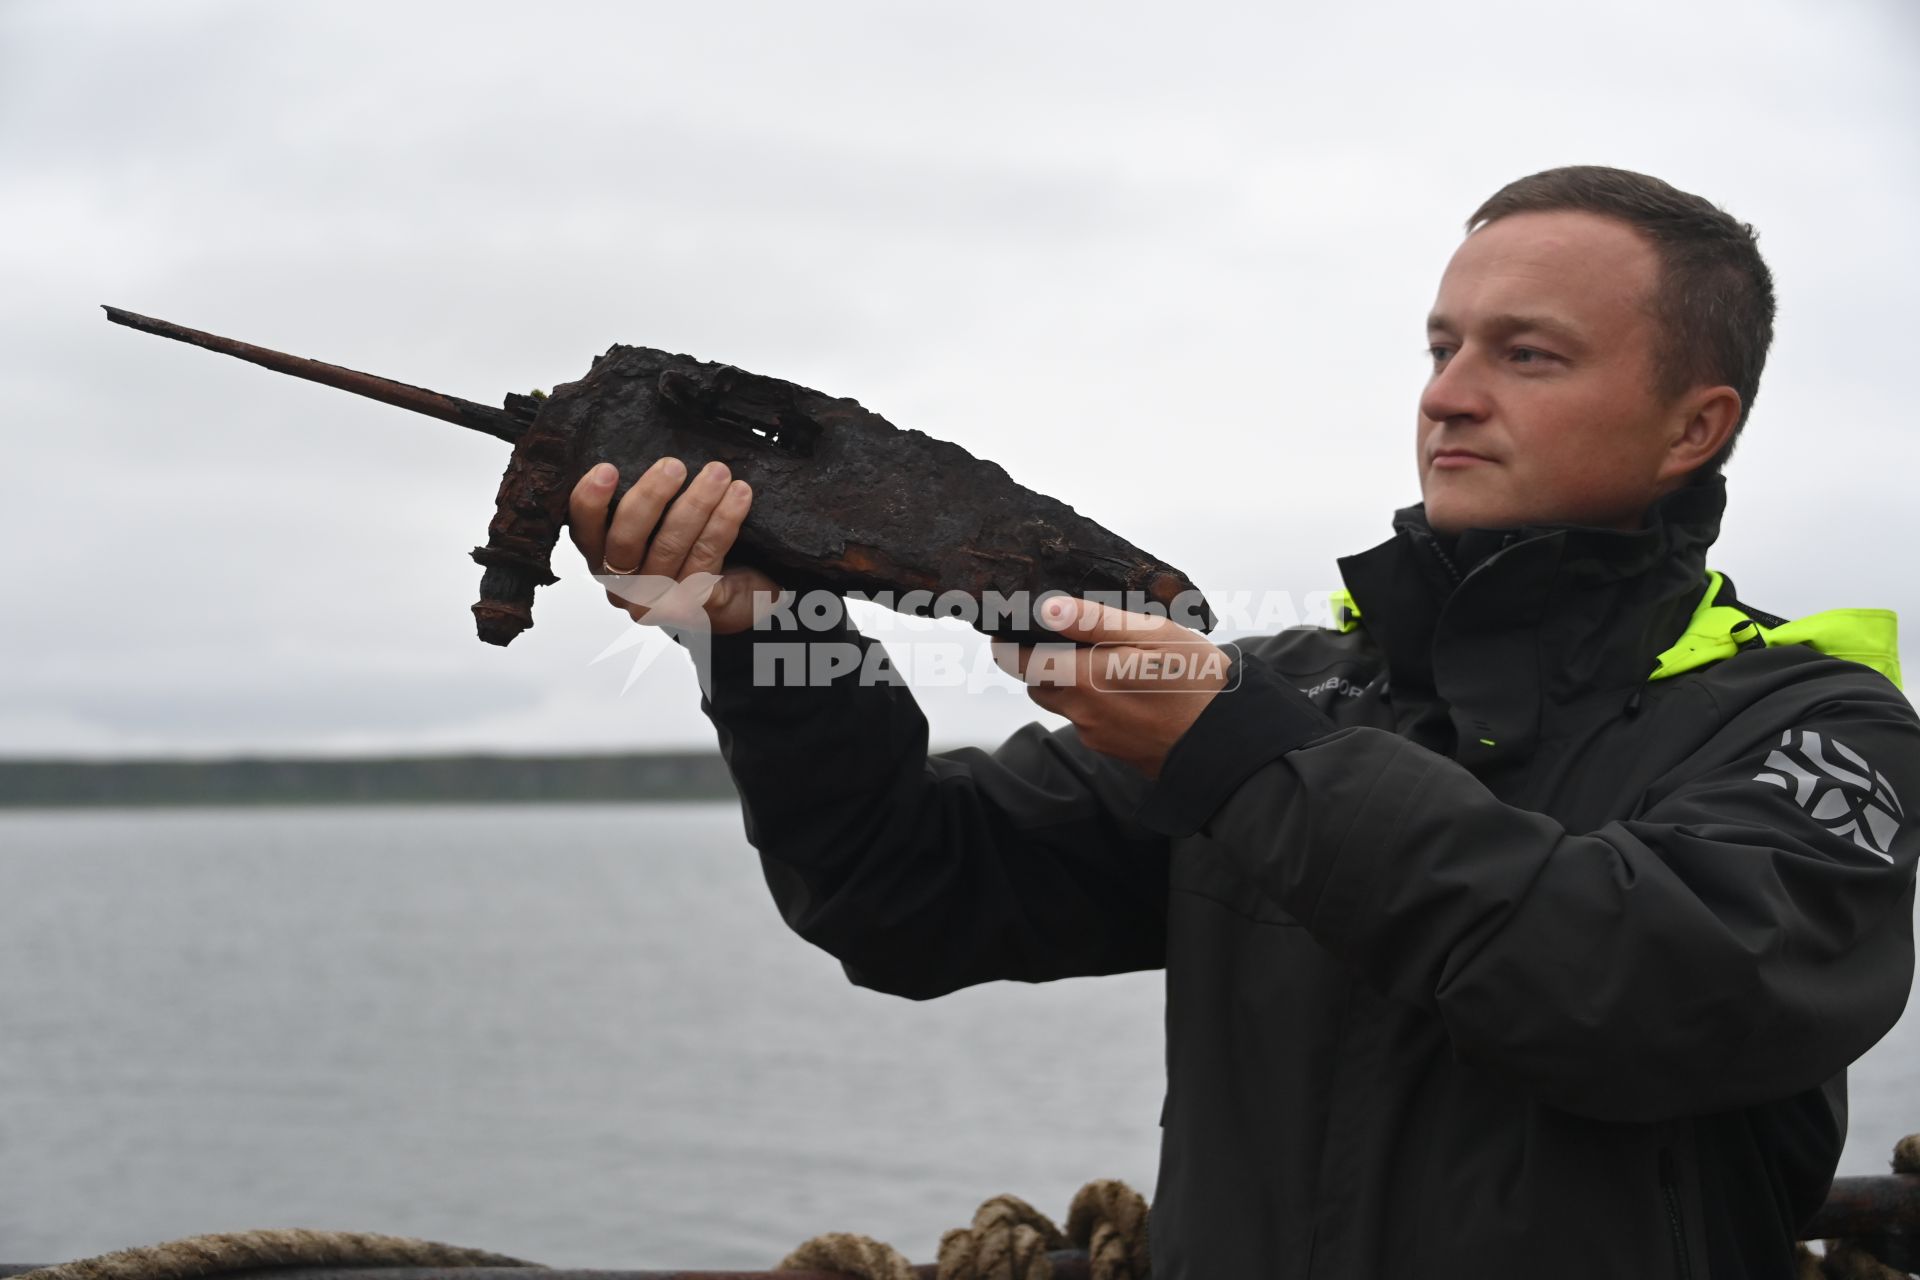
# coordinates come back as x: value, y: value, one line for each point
x: 577, y: 1034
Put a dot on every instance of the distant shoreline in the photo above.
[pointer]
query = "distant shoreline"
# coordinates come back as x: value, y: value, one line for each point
x: 437, y: 779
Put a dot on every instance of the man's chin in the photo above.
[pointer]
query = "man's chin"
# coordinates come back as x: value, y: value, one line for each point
x: 1451, y: 512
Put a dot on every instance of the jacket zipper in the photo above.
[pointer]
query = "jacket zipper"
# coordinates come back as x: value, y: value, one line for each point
x: 1453, y: 570
x: 1669, y: 1188
x: 1433, y: 545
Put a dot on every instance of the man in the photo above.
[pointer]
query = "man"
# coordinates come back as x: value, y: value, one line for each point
x: 1525, y: 922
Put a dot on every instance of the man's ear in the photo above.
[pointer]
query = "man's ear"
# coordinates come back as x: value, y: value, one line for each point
x: 1703, y: 422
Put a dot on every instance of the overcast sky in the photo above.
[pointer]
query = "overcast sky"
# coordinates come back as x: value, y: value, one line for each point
x: 1168, y: 264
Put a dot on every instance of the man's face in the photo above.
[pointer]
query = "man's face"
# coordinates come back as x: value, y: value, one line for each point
x: 1541, y: 408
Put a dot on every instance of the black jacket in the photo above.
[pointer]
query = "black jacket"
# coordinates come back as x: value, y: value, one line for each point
x: 1486, y: 954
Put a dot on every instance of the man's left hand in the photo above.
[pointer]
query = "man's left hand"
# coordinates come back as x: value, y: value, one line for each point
x: 1140, y: 685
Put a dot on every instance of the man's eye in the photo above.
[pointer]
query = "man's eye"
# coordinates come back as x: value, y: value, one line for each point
x: 1439, y: 354
x: 1527, y: 355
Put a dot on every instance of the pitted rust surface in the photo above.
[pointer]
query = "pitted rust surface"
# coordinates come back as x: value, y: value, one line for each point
x: 843, y: 499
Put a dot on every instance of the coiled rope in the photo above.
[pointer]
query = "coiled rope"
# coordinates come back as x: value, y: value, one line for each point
x: 212, y: 1255
x: 1009, y: 1240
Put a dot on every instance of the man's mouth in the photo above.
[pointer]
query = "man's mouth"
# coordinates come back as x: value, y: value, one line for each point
x: 1451, y: 459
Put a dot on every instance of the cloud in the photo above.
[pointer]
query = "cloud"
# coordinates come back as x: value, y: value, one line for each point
x: 1170, y: 271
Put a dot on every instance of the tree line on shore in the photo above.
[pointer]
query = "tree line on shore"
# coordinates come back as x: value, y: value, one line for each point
x: 464, y: 779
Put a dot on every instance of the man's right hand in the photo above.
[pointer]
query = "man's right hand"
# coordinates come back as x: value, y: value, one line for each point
x: 669, y: 568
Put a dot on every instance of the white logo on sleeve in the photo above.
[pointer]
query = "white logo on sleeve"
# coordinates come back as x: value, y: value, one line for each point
x: 1837, y: 788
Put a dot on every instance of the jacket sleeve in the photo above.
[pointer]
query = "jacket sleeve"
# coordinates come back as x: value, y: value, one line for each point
x: 1733, y: 941
x: 923, y: 873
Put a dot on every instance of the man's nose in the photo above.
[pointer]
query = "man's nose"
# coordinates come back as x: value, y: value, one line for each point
x: 1458, y: 389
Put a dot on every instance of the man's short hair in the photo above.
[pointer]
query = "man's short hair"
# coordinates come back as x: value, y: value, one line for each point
x: 1714, y: 302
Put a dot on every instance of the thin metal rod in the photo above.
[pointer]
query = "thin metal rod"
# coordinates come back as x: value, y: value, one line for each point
x: 465, y: 413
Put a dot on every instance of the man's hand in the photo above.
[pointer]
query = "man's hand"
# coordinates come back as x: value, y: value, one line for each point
x: 1142, y: 684
x: 669, y: 569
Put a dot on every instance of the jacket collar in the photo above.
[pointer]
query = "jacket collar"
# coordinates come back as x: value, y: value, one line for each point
x: 1500, y: 621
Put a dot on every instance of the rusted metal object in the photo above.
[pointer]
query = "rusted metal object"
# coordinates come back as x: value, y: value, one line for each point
x: 843, y: 499
x: 466, y: 413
